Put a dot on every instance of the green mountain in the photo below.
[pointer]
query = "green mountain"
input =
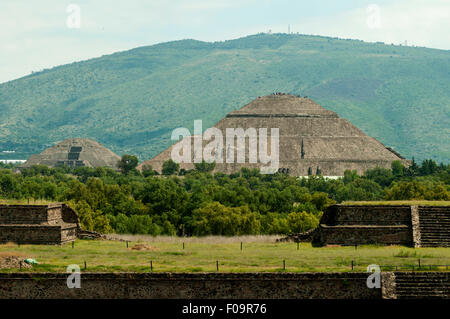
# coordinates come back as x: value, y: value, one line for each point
x: 131, y: 101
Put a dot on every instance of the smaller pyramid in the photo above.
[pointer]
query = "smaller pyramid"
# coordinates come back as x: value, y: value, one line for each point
x: 75, y: 152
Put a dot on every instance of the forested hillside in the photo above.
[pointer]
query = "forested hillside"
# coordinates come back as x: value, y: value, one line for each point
x: 130, y: 101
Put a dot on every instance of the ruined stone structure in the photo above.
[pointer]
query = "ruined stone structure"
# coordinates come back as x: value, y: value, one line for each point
x: 75, y: 152
x: 38, y: 224
x: 190, y: 286
x: 418, y: 226
x: 312, y: 140
x: 418, y: 285
x: 346, y: 285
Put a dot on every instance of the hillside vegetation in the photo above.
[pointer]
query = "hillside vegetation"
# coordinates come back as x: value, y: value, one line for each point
x: 130, y: 101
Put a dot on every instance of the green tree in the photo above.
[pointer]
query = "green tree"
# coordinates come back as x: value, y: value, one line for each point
x: 381, y: 176
x: 147, y: 170
x: 204, y: 167
x: 299, y: 222
x: 428, y: 167
x: 350, y: 176
x: 170, y: 167
x: 397, y: 168
x: 128, y: 163
x: 216, y: 219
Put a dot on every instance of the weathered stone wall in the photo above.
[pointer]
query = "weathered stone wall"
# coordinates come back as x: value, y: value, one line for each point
x: 367, y: 215
x: 68, y: 233
x: 368, y: 224
x: 415, y: 226
x: 364, y: 235
x: 54, y: 215
x: 38, y: 224
x: 23, y: 214
x: 190, y: 286
x: 30, y: 234
x: 418, y: 226
x: 69, y: 215
x: 394, y: 285
x: 433, y: 226
x: 421, y: 285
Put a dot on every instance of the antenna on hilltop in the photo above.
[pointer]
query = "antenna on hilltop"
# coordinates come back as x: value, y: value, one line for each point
x: 289, y: 29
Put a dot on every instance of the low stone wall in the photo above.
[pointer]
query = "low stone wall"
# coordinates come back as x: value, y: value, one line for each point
x: 364, y: 235
x: 30, y: 234
x: 189, y: 286
x: 23, y: 214
x: 365, y: 224
x: 38, y: 224
x: 69, y: 215
x: 68, y: 233
x: 367, y: 215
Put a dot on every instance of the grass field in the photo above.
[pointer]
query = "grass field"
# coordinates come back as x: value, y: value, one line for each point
x: 401, y: 202
x: 259, y: 254
x: 25, y: 202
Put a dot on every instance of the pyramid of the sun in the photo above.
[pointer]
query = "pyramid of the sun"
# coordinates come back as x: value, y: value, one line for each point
x: 311, y: 139
x: 75, y: 152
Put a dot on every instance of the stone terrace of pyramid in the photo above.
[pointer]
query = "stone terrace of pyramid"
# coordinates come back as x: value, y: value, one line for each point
x: 312, y: 139
x: 75, y: 152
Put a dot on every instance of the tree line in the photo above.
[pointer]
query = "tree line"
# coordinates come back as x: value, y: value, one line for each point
x: 199, y: 202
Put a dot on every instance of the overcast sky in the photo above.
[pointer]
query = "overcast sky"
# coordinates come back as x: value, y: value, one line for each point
x: 37, y: 34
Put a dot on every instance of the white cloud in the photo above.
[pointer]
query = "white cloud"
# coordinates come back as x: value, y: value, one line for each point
x: 421, y: 23
x: 34, y: 35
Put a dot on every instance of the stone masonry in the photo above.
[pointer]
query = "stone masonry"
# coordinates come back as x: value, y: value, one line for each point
x: 38, y: 224
x: 346, y: 285
x: 418, y: 226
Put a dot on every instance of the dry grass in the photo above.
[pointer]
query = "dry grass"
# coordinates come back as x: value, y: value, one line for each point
x: 261, y: 255
x: 4, y: 254
x: 401, y: 202
x: 24, y: 202
x: 197, y: 240
x: 9, y: 244
x: 142, y: 246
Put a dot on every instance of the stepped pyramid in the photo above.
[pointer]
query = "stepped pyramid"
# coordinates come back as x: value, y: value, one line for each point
x: 75, y: 152
x: 311, y: 139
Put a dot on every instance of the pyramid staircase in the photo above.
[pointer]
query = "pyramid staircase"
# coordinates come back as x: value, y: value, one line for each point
x: 434, y: 224
x: 417, y: 285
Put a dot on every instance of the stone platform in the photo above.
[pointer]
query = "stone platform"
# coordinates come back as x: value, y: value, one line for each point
x: 418, y: 226
x: 38, y: 224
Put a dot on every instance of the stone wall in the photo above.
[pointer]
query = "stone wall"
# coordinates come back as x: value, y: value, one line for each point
x: 418, y: 226
x: 190, y: 286
x: 352, y: 285
x: 30, y: 234
x: 368, y: 224
x: 68, y: 234
x: 415, y: 226
x: 367, y: 215
x: 69, y: 215
x: 23, y: 214
x: 38, y: 224
x: 364, y: 235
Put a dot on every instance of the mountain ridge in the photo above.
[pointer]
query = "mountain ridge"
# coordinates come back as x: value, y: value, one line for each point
x: 131, y: 100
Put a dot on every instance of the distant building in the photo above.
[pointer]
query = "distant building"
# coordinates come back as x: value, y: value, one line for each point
x: 75, y: 152
x: 311, y: 139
